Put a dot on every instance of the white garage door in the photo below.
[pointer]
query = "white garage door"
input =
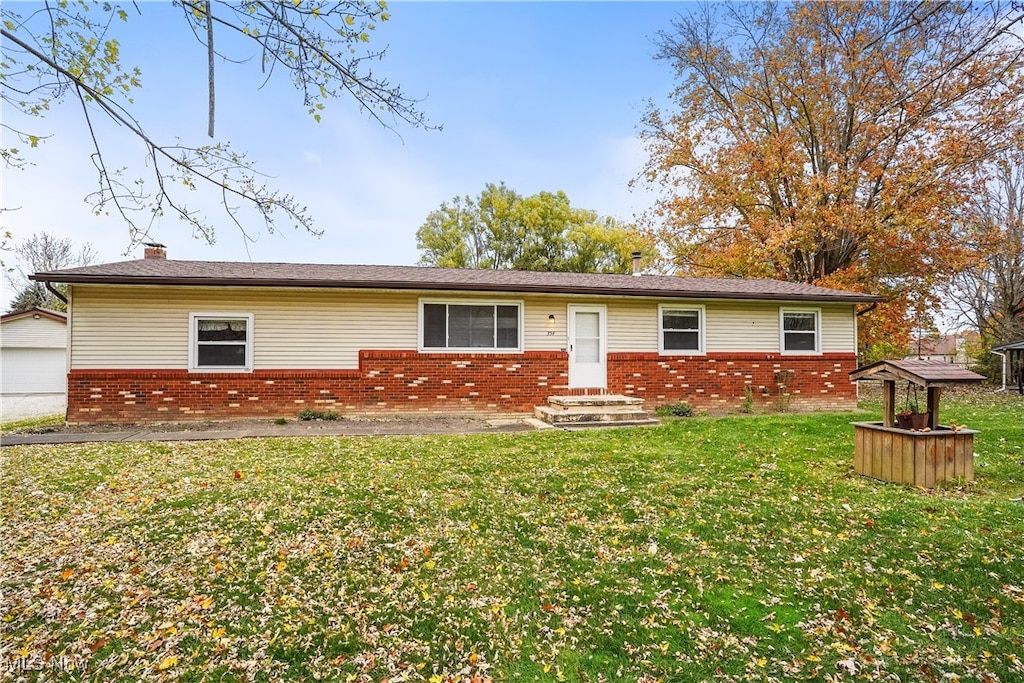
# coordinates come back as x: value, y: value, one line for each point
x: 33, y: 371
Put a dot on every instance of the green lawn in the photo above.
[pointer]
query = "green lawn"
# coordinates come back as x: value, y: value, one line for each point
x: 738, y: 548
x: 32, y: 423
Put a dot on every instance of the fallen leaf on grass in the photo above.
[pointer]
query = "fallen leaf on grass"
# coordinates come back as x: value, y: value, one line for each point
x: 167, y: 662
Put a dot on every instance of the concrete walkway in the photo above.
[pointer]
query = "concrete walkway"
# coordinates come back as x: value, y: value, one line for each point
x: 248, y: 430
x: 20, y: 406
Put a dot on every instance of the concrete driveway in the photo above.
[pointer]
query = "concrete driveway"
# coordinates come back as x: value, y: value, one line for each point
x: 21, y: 406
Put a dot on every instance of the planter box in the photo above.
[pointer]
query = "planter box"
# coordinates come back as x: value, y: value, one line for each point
x: 913, y: 420
x: 916, y: 458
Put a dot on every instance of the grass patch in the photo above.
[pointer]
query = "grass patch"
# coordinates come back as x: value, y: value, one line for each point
x: 739, y: 548
x: 678, y: 409
x: 311, y: 414
x: 29, y: 424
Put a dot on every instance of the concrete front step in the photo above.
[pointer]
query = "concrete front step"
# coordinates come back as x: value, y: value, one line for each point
x: 575, y: 410
x: 593, y: 416
x: 607, y: 410
x: 601, y: 400
x: 571, y: 427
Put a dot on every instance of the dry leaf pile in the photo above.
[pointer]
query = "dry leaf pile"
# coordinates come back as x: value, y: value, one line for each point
x: 739, y: 549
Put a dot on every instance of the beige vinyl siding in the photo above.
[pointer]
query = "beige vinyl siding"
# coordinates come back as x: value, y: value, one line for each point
x: 147, y: 327
x: 29, y: 332
x: 838, y: 329
x: 329, y: 329
x: 742, y: 326
x: 754, y: 325
x: 536, y: 326
x: 632, y: 325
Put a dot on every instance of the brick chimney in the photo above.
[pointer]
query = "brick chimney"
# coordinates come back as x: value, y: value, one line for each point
x: 636, y: 262
x: 154, y: 250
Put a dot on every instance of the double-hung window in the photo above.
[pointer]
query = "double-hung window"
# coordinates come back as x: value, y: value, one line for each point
x: 801, y: 330
x: 220, y: 342
x: 477, y: 326
x: 680, y: 329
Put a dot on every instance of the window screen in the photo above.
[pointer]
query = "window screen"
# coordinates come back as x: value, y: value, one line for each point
x: 680, y: 329
x: 470, y: 326
x: 800, y: 331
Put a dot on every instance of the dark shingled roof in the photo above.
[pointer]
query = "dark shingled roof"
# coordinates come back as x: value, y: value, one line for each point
x: 920, y: 372
x: 1011, y: 346
x: 223, y: 273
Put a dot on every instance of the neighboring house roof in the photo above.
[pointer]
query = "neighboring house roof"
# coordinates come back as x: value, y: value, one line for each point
x: 944, y: 345
x: 35, y: 312
x: 1010, y: 346
x: 214, y: 273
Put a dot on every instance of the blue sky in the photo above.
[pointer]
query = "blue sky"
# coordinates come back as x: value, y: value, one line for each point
x: 542, y: 96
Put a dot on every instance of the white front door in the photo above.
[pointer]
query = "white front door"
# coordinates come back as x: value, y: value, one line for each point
x: 588, y: 365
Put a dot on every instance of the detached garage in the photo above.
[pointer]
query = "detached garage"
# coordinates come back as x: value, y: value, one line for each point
x: 33, y: 364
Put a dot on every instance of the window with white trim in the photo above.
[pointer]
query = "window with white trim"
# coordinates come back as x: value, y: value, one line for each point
x: 800, y: 330
x: 477, y: 326
x: 680, y: 329
x: 220, y: 342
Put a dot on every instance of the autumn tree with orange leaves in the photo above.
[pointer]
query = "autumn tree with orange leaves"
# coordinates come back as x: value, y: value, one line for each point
x: 832, y: 143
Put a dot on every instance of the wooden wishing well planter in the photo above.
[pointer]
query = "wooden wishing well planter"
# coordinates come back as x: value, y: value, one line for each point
x: 927, y: 453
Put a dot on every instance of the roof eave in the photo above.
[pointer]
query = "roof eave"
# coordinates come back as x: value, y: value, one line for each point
x: 39, y: 312
x: 443, y: 286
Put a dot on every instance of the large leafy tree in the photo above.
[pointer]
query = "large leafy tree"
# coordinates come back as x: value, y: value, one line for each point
x: 833, y: 143
x: 68, y: 52
x: 502, y: 229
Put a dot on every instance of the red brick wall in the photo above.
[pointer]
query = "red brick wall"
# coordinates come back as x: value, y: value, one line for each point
x: 404, y: 381
x: 386, y: 380
x: 716, y: 381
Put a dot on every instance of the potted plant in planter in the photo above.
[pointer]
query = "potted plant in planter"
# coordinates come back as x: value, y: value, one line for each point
x: 912, y: 417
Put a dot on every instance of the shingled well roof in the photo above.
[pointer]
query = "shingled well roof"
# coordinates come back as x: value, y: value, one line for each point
x: 229, y: 273
x: 920, y: 372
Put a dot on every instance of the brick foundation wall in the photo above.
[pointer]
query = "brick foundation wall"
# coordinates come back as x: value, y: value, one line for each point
x: 408, y: 381
x: 399, y: 381
x: 717, y: 381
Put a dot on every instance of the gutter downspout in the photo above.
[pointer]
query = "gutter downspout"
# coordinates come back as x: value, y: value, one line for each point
x: 1000, y: 353
x: 55, y: 292
x: 873, y: 306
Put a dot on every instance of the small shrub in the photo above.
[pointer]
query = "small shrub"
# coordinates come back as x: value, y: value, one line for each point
x: 280, y: 421
x: 748, y: 399
x: 782, y: 380
x: 310, y: 414
x: 783, y: 377
x: 680, y: 409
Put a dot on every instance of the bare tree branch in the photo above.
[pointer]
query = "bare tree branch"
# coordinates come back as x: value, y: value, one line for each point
x: 209, y: 62
x: 70, y: 47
